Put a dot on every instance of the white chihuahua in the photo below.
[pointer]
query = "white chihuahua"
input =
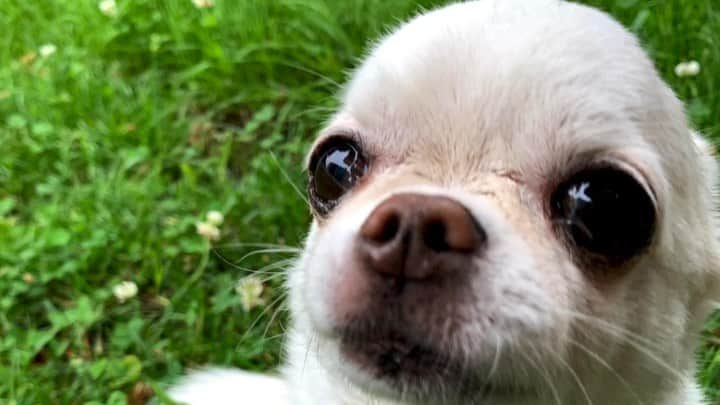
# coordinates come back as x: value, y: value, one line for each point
x: 509, y: 209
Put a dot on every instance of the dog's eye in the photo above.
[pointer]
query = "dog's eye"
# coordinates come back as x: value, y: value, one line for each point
x: 605, y: 212
x: 338, y: 165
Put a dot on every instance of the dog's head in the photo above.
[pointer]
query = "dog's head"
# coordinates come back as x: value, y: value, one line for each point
x: 509, y: 204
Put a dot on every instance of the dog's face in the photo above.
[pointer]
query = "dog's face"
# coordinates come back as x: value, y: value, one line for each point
x: 508, y: 205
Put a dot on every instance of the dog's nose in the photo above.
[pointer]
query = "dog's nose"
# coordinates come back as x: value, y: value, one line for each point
x: 415, y: 236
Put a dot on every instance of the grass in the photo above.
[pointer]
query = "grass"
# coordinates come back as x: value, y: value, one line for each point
x: 116, y: 144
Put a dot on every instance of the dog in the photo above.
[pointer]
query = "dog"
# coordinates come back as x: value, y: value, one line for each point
x: 509, y: 208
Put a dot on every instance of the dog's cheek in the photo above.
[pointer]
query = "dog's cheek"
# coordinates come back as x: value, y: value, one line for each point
x: 297, y: 280
x: 529, y: 282
x: 327, y: 262
x: 305, y: 282
x: 535, y: 298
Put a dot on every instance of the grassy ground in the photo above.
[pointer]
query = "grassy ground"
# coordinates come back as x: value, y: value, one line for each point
x: 119, y: 141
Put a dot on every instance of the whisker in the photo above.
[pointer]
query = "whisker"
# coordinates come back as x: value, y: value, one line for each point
x: 576, y: 377
x: 270, y: 277
x: 307, y: 352
x: 289, y: 180
x: 613, y: 331
x: 540, y: 368
x: 269, y: 268
x: 613, y: 326
x: 579, y: 224
x: 281, y: 308
x: 311, y: 72
x: 261, y: 251
x: 259, y: 317
x: 496, y: 359
x: 605, y: 364
x: 248, y: 270
x: 312, y: 110
x: 257, y: 245
x: 495, y: 363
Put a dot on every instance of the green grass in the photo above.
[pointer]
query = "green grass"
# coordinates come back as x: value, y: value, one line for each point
x: 113, y: 147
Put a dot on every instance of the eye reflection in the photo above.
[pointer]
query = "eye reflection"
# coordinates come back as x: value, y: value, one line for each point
x: 338, y: 169
x: 605, y: 212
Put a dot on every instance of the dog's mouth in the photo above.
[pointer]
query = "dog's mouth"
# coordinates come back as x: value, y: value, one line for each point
x: 417, y: 369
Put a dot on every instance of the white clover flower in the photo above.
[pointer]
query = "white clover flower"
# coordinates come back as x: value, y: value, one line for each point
x: 693, y: 68
x: 47, y: 50
x: 250, y: 289
x: 207, y: 230
x: 203, y: 3
x: 125, y: 290
x: 680, y: 69
x: 215, y: 218
x: 685, y: 69
x: 109, y: 8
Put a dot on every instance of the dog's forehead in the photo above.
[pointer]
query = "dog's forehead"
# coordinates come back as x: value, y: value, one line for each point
x: 506, y: 79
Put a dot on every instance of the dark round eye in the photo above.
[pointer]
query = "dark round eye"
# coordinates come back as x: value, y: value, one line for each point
x: 605, y: 212
x: 338, y: 165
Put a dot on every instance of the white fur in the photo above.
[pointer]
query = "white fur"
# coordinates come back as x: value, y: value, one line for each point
x: 449, y: 104
x: 230, y: 387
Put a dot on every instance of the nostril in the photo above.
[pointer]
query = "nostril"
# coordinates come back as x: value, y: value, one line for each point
x: 389, y: 229
x: 434, y: 235
x: 450, y: 228
x: 382, y: 226
x: 414, y: 236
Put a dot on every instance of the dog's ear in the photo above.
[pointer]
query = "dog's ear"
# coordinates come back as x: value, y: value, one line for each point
x: 709, y: 162
x: 709, y: 166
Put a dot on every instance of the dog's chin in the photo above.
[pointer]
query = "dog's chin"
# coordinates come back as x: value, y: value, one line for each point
x: 395, y: 359
x: 392, y: 365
